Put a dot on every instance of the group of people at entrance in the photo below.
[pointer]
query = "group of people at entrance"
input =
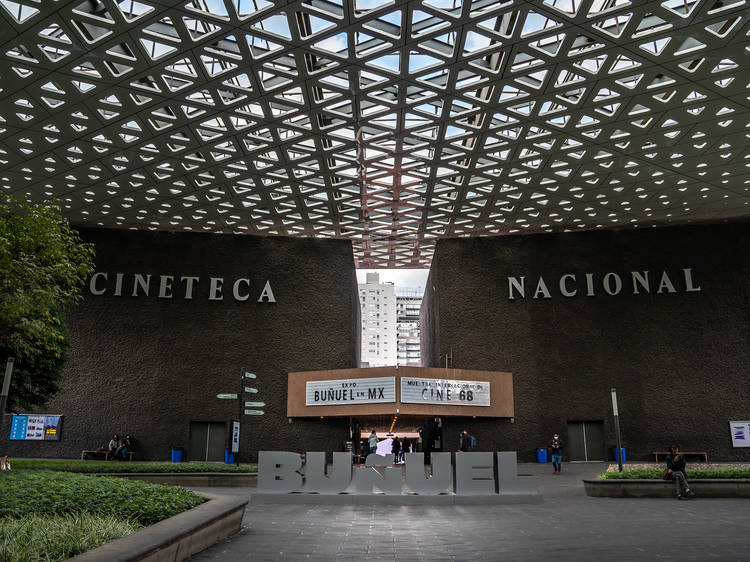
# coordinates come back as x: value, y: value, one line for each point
x: 395, y: 446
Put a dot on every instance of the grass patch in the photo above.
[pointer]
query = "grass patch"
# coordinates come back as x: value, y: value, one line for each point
x: 58, y: 537
x: 102, y: 467
x: 40, y: 492
x: 697, y: 474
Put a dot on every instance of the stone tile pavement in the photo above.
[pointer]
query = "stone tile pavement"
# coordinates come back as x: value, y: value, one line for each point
x: 566, y: 525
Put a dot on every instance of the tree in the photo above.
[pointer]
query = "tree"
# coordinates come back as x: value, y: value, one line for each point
x: 43, y: 265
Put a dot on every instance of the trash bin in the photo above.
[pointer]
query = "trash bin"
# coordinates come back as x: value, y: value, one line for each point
x: 176, y: 455
x: 541, y: 456
x: 228, y: 457
x: 624, y: 455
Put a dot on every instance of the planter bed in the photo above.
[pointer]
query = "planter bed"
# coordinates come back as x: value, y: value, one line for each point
x: 651, y: 488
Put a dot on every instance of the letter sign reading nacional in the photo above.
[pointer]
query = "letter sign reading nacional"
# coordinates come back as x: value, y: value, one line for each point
x: 444, y: 391
x: 350, y: 391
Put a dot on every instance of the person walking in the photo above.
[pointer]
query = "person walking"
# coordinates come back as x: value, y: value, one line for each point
x: 373, y: 441
x: 557, y: 445
x: 676, y: 471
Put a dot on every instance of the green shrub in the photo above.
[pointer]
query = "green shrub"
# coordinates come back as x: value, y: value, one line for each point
x: 41, y: 492
x: 697, y: 474
x: 102, y: 467
x: 58, y: 537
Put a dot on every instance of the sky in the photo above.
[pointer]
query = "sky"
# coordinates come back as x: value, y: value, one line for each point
x: 399, y: 277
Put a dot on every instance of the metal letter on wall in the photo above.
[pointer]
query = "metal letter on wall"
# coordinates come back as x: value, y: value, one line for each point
x: 278, y: 472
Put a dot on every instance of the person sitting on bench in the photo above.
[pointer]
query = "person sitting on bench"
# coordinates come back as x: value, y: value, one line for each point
x: 113, y: 446
x: 125, y: 446
x: 676, y: 471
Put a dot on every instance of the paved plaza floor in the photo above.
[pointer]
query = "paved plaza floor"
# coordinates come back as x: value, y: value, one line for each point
x: 565, y: 525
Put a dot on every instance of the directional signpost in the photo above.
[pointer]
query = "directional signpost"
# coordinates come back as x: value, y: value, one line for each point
x: 236, y: 426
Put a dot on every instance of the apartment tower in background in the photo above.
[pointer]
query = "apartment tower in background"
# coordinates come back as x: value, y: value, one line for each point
x: 408, y: 303
x: 378, y: 312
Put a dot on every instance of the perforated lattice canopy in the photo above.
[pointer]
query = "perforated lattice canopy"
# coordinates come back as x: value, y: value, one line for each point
x: 391, y: 123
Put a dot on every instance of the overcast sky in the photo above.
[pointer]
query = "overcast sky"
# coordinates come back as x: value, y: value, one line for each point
x: 399, y: 277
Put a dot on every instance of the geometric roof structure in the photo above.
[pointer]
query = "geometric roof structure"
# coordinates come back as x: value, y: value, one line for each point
x: 390, y: 123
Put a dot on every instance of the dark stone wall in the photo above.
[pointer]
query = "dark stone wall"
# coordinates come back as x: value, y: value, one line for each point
x: 680, y: 362
x: 149, y: 366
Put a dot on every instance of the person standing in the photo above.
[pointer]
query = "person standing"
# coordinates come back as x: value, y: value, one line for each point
x: 396, y: 450
x: 676, y: 471
x: 557, y: 445
x: 373, y: 441
x: 465, y: 441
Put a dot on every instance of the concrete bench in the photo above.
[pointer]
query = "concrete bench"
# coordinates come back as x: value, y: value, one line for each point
x: 686, y: 453
x: 86, y: 452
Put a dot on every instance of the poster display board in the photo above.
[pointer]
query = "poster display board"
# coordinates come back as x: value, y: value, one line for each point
x: 235, y: 436
x: 350, y: 391
x: 445, y: 391
x: 35, y: 427
x: 740, y: 431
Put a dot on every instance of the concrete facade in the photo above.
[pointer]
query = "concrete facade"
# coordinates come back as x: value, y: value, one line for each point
x: 149, y: 365
x: 679, y: 360
x: 378, y: 312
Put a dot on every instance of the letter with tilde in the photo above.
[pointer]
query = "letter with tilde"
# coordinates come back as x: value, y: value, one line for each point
x: 385, y: 477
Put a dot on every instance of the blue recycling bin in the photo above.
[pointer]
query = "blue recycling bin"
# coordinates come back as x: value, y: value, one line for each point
x: 228, y: 457
x: 176, y: 455
x: 541, y: 456
x: 624, y: 455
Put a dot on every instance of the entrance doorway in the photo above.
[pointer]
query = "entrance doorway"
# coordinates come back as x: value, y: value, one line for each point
x: 586, y: 441
x: 207, y: 440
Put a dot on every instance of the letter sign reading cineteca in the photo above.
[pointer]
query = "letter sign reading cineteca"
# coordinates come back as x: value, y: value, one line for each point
x: 350, y: 391
x: 445, y: 392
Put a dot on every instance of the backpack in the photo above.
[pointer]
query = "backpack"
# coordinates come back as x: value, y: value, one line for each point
x: 473, y: 442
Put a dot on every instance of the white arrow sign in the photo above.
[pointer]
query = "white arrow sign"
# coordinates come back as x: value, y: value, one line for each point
x: 250, y: 390
x: 250, y: 376
x: 227, y: 396
x: 254, y: 404
x: 254, y: 412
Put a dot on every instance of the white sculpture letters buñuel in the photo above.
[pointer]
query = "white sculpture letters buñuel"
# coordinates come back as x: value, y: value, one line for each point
x: 472, y: 474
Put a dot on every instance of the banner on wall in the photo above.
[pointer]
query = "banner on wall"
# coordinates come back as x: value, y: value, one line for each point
x: 740, y: 431
x: 350, y: 391
x: 445, y: 391
x: 35, y: 427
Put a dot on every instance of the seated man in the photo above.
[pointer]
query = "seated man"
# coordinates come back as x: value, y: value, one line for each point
x: 114, y: 444
x: 125, y: 446
x: 676, y: 471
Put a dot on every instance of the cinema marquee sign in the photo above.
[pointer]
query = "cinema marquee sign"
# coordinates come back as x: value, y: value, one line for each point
x: 612, y: 283
x: 444, y: 391
x: 350, y: 391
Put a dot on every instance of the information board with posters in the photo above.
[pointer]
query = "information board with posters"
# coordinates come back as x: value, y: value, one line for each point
x: 740, y: 431
x: 445, y: 391
x: 350, y: 391
x: 35, y: 427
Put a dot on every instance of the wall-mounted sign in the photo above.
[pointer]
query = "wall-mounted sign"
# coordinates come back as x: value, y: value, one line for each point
x: 35, y: 427
x: 444, y: 391
x: 740, y: 431
x: 350, y: 391
x: 612, y: 283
